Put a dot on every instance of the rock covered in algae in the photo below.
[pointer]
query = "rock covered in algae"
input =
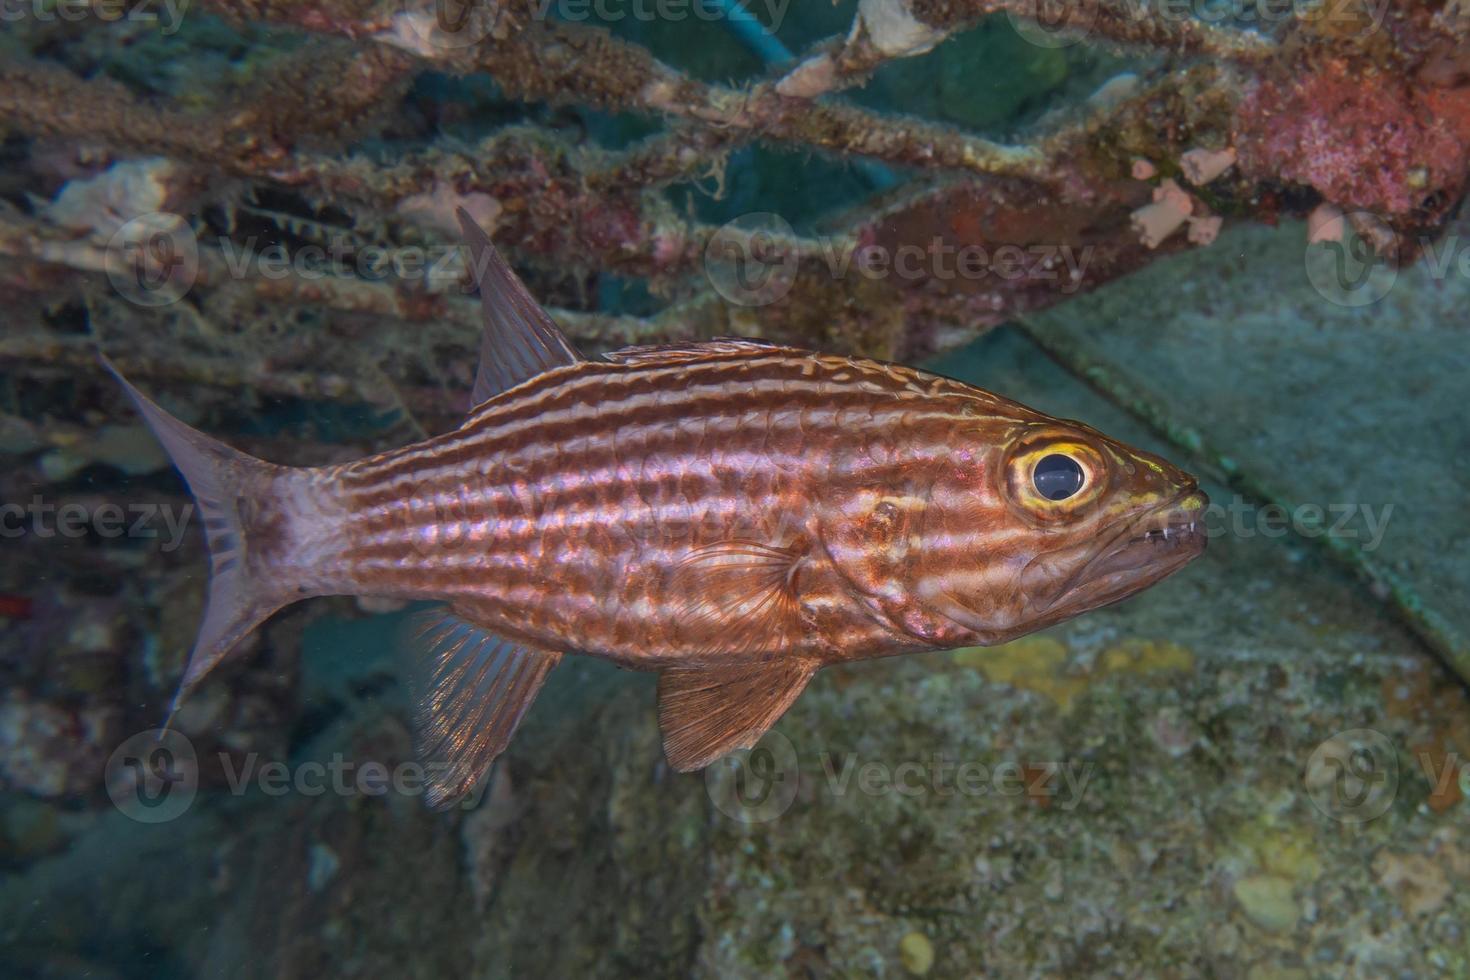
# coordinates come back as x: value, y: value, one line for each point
x: 1268, y: 902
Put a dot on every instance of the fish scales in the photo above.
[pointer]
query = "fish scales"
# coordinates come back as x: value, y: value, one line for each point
x: 572, y: 508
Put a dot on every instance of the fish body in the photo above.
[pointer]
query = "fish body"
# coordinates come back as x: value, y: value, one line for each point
x: 732, y: 514
x: 633, y: 509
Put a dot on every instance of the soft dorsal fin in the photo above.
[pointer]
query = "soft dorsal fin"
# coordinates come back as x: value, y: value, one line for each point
x: 520, y: 341
x: 695, y: 350
x: 707, y: 712
x: 473, y: 689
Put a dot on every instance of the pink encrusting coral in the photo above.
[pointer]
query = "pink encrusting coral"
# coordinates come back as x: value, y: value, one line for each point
x: 1381, y: 144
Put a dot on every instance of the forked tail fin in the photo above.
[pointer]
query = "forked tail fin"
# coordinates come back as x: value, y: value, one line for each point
x: 235, y: 493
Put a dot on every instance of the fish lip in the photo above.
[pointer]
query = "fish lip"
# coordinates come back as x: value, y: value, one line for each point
x: 1173, y: 516
x: 1171, y: 527
x: 1147, y: 548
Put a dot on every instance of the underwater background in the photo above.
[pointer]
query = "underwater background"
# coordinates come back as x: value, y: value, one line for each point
x: 1228, y: 233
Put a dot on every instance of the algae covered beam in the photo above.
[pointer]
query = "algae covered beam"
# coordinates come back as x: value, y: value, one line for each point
x: 537, y: 59
x: 300, y: 99
x: 1389, y: 582
x: 885, y: 30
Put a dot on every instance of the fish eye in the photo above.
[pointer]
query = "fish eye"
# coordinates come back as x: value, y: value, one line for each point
x: 1057, y: 477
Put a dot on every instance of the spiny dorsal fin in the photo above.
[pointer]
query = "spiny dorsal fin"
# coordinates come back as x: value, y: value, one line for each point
x: 520, y: 341
x: 738, y: 596
x: 695, y: 350
x: 707, y: 712
x: 475, y: 688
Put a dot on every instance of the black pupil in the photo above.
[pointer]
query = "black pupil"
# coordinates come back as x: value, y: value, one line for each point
x: 1057, y: 477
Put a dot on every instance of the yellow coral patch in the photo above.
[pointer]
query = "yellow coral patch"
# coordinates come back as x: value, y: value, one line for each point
x: 1040, y: 664
x: 1146, y: 656
x: 1280, y: 849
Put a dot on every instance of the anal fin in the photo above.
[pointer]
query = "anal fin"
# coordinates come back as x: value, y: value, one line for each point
x: 476, y: 687
x: 707, y: 712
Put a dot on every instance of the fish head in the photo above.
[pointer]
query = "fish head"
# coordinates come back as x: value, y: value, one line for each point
x: 1044, y: 519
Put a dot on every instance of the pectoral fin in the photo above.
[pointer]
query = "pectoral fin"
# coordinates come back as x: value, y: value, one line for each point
x: 475, y: 688
x: 707, y: 712
x: 739, y: 597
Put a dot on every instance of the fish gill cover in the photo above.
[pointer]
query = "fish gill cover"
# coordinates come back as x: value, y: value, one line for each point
x: 1227, y: 232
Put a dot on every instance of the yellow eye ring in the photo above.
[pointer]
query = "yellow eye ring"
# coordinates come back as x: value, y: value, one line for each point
x: 1054, y: 478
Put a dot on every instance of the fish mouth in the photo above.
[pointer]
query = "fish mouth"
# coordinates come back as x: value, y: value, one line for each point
x: 1173, y: 532
x: 1146, y: 549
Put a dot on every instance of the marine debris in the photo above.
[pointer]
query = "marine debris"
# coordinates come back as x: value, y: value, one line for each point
x: 327, y: 141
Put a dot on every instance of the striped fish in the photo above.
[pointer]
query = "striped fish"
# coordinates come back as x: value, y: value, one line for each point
x: 732, y: 514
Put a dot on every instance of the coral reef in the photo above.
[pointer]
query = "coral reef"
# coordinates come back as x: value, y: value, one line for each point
x: 1400, y: 151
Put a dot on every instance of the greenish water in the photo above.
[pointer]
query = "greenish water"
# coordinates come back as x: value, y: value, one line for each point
x: 1254, y: 769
